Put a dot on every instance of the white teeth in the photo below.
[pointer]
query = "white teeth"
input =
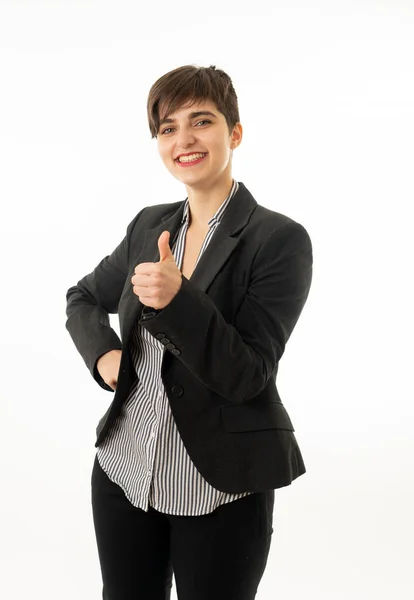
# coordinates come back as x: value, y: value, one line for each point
x: 191, y: 157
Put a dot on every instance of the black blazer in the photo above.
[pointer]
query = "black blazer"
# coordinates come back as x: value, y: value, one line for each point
x: 225, y: 332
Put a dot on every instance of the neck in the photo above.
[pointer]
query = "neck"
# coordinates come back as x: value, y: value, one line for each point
x: 204, y: 202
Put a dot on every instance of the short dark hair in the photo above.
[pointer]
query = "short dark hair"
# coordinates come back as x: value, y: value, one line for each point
x: 189, y: 84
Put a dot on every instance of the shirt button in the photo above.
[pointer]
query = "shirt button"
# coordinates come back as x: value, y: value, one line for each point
x: 177, y: 390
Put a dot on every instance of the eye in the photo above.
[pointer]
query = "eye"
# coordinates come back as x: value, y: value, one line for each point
x: 168, y: 128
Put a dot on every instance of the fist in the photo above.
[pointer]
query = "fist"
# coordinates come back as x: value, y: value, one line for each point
x: 156, y: 284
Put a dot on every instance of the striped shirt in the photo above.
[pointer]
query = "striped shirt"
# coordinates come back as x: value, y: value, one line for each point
x: 143, y: 452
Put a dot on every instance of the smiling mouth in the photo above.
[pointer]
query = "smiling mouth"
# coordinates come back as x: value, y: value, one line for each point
x: 191, y: 158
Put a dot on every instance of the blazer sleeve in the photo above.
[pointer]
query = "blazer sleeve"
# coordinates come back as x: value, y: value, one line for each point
x: 236, y: 361
x: 90, y: 301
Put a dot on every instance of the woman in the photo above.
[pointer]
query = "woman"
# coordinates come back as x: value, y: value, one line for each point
x: 208, y: 291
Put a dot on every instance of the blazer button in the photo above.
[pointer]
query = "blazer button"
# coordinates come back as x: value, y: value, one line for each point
x: 159, y: 336
x: 170, y: 346
x: 175, y: 352
x: 177, y: 390
x: 165, y: 340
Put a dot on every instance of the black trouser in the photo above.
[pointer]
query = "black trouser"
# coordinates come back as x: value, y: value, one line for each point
x: 218, y: 556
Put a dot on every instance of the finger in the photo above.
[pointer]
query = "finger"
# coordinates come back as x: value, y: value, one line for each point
x: 163, y: 246
x: 142, y: 293
x: 144, y: 268
x: 142, y: 280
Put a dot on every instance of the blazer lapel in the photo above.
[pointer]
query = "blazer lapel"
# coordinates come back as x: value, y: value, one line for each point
x: 224, y: 242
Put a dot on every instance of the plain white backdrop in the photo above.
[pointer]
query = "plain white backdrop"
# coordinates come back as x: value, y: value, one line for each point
x: 326, y: 97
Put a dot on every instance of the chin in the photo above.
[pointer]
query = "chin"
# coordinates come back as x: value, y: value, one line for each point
x: 188, y: 177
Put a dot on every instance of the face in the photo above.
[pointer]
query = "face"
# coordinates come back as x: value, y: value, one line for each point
x: 199, y: 128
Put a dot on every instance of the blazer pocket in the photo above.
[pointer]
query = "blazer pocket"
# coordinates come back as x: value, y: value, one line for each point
x: 255, y: 417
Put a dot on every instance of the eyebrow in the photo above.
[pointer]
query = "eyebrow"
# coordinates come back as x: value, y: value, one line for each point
x: 192, y: 115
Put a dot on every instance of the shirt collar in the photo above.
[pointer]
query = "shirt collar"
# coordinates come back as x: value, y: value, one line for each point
x: 216, y: 218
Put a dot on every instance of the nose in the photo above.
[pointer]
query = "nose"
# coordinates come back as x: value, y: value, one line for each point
x: 185, y: 138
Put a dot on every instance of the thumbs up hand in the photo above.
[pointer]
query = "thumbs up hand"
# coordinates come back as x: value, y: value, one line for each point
x: 156, y: 284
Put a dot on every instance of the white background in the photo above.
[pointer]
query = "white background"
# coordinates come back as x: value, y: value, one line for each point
x: 326, y: 100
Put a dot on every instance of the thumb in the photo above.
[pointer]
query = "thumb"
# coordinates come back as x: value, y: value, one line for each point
x: 164, y: 246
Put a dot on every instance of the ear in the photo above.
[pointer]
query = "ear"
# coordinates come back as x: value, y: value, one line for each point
x: 236, y: 136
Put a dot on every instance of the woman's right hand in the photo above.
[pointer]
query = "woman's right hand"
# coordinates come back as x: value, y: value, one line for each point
x: 108, y: 367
